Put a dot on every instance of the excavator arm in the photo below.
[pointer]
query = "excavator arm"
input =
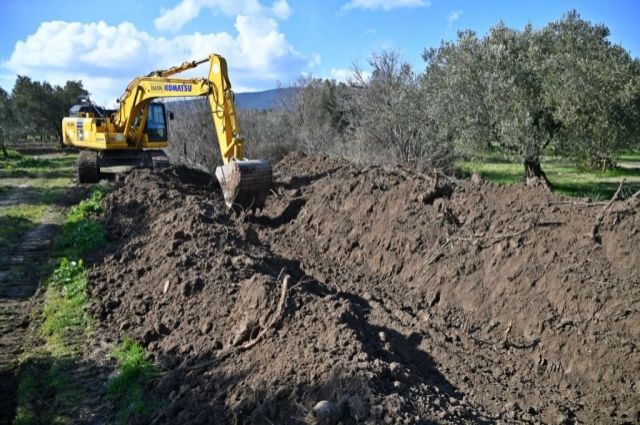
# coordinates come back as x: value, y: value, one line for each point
x: 159, y: 84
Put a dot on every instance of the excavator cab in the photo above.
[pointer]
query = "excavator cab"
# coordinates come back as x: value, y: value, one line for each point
x: 156, y: 124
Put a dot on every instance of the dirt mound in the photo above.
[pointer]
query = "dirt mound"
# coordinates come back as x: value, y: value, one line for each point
x: 375, y: 296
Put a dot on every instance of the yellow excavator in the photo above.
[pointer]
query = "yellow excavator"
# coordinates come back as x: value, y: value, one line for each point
x: 136, y: 132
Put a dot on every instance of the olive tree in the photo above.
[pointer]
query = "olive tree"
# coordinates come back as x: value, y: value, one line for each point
x: 490, y: 92
x: 594, y: 87
x: 563, y: 88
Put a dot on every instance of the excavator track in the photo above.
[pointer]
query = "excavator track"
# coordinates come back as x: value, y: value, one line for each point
x: 159, y: 160
x: 88, y: 170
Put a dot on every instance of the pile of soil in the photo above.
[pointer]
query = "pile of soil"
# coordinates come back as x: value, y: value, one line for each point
x: 375, y: 295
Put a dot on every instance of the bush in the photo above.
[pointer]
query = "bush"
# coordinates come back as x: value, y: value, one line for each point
x: 81, y: 234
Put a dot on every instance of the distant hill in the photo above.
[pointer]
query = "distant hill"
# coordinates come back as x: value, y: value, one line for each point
x: 269, y: 99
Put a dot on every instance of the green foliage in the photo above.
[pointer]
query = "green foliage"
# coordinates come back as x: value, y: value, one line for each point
x: 89, y: 206
x: 564, y: 86
x: 126, y: 388
x: 594, y: 90
x: 39, y: 106
x: 7, y: 121
x: 81, y: 234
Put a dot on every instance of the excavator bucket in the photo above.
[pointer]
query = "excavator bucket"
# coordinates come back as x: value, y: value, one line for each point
x: 245, y: 183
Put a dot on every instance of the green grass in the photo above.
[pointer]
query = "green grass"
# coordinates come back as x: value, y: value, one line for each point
x: 565, y: 176
x: 126, y: 389
x: 19, y: 165
x: 47, y: 392
x: 46, y: 379
x: 81, y: 233
x: 64, y: 330
x: 64, y: 317
x: 16, y: 221
x: 629, y: 157
x: 65, y: 298
x: 29, y: 197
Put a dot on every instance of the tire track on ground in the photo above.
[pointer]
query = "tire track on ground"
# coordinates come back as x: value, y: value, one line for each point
x: 19, y: 280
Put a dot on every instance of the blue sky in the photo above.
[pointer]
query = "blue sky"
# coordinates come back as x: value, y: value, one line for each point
x: 266, y: 42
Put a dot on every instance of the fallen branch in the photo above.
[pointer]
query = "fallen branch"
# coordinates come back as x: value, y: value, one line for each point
x: 508, y: 344
x: 493, y: 239
x: 574, y: 203
x: 595, y: 230
x: 438, y: 254
x: 274, y: 320
x: 614, y: 198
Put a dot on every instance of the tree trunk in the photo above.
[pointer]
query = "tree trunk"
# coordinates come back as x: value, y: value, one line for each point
x: 59, y: 134
x: 2, y: 145
x: 534, y: 176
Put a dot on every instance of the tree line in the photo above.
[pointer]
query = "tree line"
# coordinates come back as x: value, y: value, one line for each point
x: 563, y: 89
x: 36, y: 109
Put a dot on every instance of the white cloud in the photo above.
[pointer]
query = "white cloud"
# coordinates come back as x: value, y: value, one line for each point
x: 385, y: 5
x: 341, y: 74
x: 59, y: 45
x: 314, y: 60
x: 454, y: 16
x: 107, y: 57
x: 175, y: 18
x: 344, y: 75
x: 281, y: 9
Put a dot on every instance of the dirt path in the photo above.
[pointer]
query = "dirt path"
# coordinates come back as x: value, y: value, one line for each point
x: 19, y: 278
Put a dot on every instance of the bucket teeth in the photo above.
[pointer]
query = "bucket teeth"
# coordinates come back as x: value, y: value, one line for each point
x: 245, y: 184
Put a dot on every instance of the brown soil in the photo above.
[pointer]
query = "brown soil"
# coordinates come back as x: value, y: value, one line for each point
x: 409, y: 300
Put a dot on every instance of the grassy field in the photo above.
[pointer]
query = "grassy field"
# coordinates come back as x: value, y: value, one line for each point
x: 47, y: 167
x: 29, y: 186
x: 566, y: 178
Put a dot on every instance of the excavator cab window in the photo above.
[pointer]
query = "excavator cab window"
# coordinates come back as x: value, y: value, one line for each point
x: 156, y: 127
